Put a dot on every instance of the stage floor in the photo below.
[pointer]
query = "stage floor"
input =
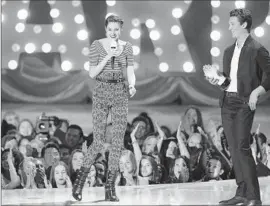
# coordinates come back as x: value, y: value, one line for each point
x: 206, y: 193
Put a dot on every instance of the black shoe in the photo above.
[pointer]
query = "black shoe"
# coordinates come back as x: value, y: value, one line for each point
x: 79, y: 183
x: 253, y: 202
x: 236, y: 200
x: 110, y: 194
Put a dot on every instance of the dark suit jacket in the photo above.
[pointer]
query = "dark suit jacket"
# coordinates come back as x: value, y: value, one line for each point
x: 253, y: 67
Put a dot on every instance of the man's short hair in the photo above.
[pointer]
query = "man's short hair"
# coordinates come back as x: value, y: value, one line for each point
x: 243, y: 15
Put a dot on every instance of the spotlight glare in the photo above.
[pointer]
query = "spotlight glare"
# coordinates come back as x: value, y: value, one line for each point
x: 76, y: 3
x: 30, y: 48
x: 163, y: 67
x: 12, y: 64
x: 54, y: 13
x: 22, y: 14
x: 135, y: 22
x: 135, y: 65
x: 66, y: 65
x: 51, y: 2
x: 215, y: 35
x: 240, y: 4
x: 177, y: 12
x: 46, y: 48
x: 259, y: 31
x: 267, y: 19
x: 158, y: 51
x: 215, y: 52
x: 215, y: 3
x: 215, y: 19
x: 150, y: 23
x: 136, y: 50
x: 79, y: 18
x: 86, y: 66
x: 188, y: 67
x: 175, y: 30
x: 182, y: 47
x: 135, y: 33
x: 62, y: 48
x: 37, y: 29
x: 110, y: 2
x: 85, y: 51
x: 16, y: 47
x: 154, y: 35
x: 82, y: 35
x: 57, y: 27
x: 20, y: 27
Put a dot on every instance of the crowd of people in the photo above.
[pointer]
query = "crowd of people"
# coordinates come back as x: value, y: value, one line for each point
x: 153, y: 154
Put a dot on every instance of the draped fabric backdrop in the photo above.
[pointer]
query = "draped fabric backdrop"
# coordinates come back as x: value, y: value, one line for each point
x: 39, y: 78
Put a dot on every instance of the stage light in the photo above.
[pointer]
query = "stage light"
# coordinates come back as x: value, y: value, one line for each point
x: 150, y: 23
x: 240, y: 4
x: 109, y: 14
x: 215, y: 35
x: 82, y: 35
x: 79, y: 18
x: 25, y: 1
x: 20, y: 27
x: 187, y: 1
x: 22, y: 14
x: 12, y: 64
x: 136, y: 50
x: 54, y: 13
x: 188, y: 67
x: 215, y: 3
x: 182, y: 47
x: 37, y: 29
x: 46, y: 48
x: 30, y: 48
x: 175, y: 30
x: 85, y: 51
x: 259, y: 31
x: 267, y: 19
x: 110, y: 2
x: 135, y: 22
x: 177, y: 12
x: 66, y: 65
x: 76, y: 3
x: 158, y: 51
x: 15, y: 47
x: 62, y: 48
x: 57, y: 27
x: 135, y: 65
x: 51, y: 2
x: 135, y: 33
x: 86, y: 66
x: 163, y: 67
x: 3, y: 2
x: 154, y: 35
x: 215, y: 19
x: 215, y: 52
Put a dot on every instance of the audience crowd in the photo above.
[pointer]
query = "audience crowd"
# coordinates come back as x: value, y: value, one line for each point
x: 48, y: 154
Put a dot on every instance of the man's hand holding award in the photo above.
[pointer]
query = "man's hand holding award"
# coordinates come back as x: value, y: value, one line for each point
x: 212, y: 75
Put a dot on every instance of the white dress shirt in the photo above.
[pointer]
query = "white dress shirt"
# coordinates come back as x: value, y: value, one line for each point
x: 234, y: 68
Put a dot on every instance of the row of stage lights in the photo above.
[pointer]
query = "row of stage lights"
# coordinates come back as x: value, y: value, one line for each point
x: 134, y: 33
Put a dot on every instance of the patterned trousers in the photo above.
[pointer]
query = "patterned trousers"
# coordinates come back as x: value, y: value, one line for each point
x: 108, y: 97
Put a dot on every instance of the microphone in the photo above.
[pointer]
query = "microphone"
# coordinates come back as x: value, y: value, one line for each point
x: 113, y: 47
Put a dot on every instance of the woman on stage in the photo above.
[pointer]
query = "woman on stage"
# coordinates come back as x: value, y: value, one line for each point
x: 109, y: 57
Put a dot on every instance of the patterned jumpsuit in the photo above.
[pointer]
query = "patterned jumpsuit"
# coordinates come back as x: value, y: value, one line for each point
x: 109, y: 97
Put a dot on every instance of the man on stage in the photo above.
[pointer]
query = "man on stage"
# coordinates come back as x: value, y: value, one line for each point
x: 244, y: 64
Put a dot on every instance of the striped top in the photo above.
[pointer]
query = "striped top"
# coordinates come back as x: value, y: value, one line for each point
x: 125, y: 59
